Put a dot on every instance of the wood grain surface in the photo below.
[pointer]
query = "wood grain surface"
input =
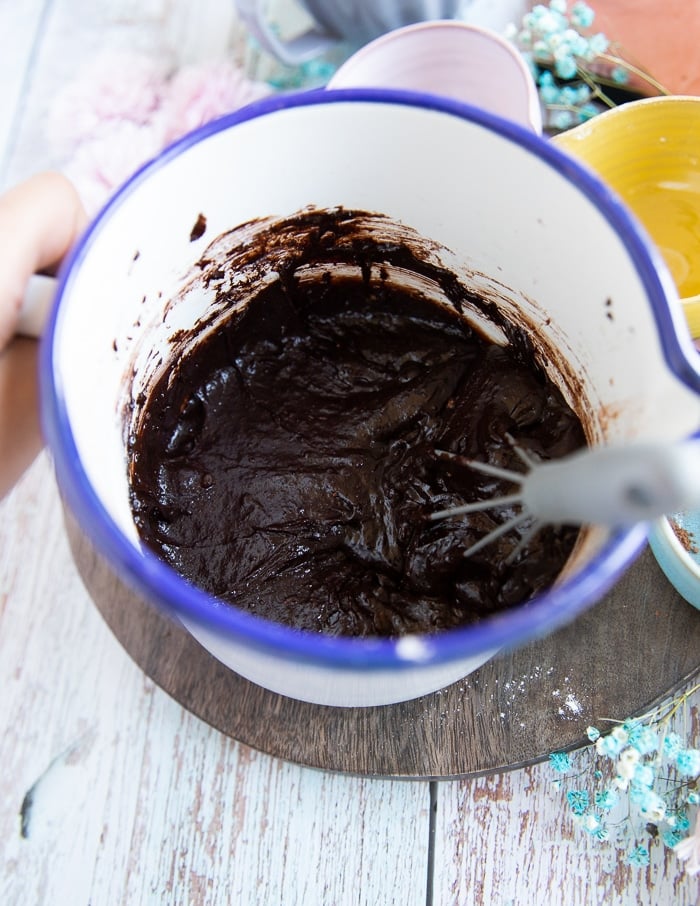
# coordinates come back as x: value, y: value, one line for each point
x: 513, y: 711
x: 112, y: 793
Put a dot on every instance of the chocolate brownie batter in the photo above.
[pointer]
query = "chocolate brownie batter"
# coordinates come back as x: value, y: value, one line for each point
x: 287, y: 465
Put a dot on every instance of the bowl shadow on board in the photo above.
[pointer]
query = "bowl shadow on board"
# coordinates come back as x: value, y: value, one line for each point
x: 637, y: 645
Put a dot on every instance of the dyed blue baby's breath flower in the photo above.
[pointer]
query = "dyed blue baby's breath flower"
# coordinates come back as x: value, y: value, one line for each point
x: 531, y: 65
x: 593, y: 733
x: 672, y: 745
x: 540, y: 50
x: 648, y: 788
x: 566, y: 66
x: 627, y: 762
x: 643, y: 739
x: 578, y: 44
x: 562, y: 119
x: 688, y: 762
x: 643, y: 776
x: 578, y: 801
x: 582, y: 15
x: 560, y: 762
x: 548, y: 88
x: 682, y: 822
x: 319, y: 71
x: 597, y: 45
x: 311, y: 73
x: 568, y: 41
x: 550, y: 94
x: 555, y: 39
x: 671, y: 837
x: 638, y: 794
x: 652, y: 806
x: 639, y: 856
x: 592, y: 824
x: 523, y: 37
x: 545, y: 21
x: 555, y: 43
x: 606, y: 799
x: 610, y: 745
x: 587, y: 112
x: 568, y: 95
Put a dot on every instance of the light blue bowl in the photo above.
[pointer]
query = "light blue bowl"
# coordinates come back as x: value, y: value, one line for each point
x: 679, y: 557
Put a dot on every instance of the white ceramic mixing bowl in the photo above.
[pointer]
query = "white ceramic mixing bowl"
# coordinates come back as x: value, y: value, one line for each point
x: 517, y: 220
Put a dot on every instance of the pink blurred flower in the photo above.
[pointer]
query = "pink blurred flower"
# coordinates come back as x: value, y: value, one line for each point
x: 200, y: 93
x: 107, y: 160
x: 113, y: 86
x: 123, y: 108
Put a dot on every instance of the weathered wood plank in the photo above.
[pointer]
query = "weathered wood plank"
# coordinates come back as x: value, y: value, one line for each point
x: 76, y: 31
x: 134, y: 800
x: 20, y: 33
x: 510, y: 839
x: 511, y: 712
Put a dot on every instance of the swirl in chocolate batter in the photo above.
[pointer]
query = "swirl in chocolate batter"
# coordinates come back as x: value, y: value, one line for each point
x: 284, y: 459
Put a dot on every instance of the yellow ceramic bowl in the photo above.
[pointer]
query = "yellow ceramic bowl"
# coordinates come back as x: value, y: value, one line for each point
x: 648, y: 152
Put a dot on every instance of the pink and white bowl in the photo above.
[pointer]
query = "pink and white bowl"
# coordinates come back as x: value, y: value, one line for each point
x: 449, y: 59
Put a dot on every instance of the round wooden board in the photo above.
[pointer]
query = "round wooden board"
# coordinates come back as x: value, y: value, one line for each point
x: 636, y: 646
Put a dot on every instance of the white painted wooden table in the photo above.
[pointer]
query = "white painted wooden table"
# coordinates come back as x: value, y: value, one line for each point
x: 110, y: 792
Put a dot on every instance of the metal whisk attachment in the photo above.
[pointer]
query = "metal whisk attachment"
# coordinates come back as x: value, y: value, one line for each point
x: 611, y: 485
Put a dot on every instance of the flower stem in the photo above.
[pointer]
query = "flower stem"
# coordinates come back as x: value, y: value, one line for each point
x: 616, y: 60
x: 596, y: 89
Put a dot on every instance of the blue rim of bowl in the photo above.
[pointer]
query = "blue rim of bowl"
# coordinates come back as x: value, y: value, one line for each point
x: 160, y: 584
